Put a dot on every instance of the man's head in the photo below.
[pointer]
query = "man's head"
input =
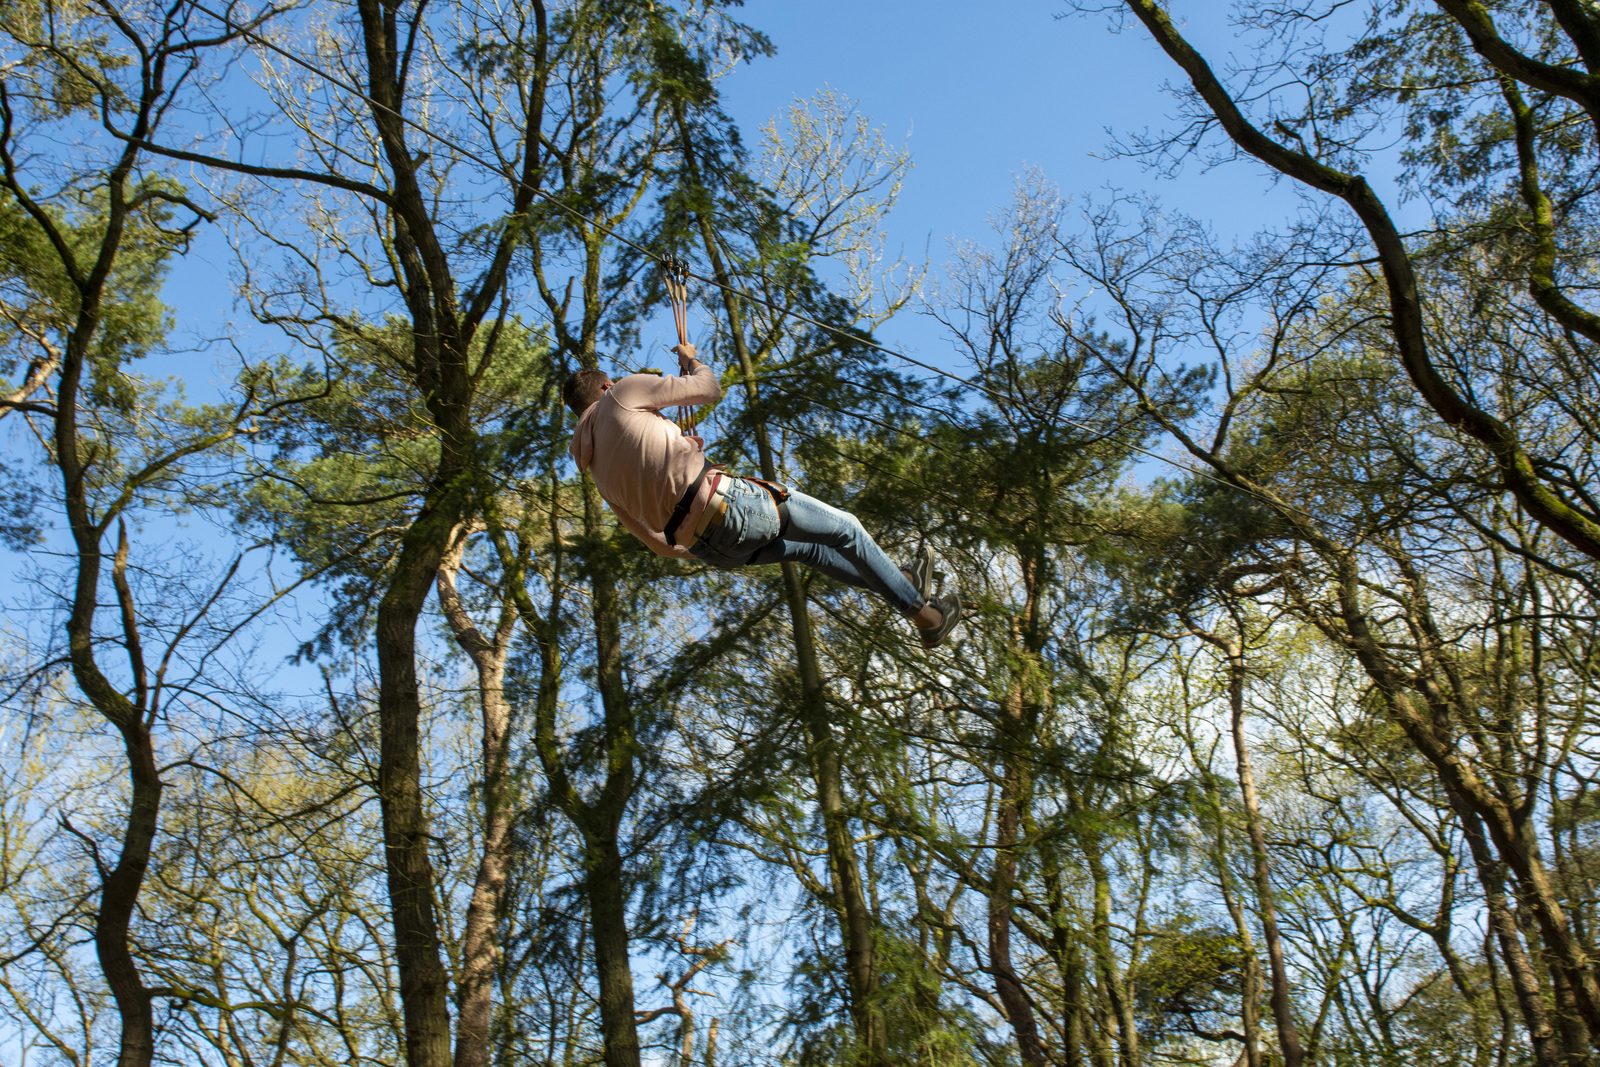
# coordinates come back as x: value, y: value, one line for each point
x: 584, y: 388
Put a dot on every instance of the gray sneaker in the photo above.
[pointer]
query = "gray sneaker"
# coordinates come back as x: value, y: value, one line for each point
x: 920, y: 571
x: 950, y: 607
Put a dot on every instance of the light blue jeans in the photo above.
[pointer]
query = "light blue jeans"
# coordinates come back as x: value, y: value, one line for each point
x: 819, y: 535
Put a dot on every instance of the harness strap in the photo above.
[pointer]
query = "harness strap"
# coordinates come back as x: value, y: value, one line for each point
x: 779, y: 494
x: 685, y: 502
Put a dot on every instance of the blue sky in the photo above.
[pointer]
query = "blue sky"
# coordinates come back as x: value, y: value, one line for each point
x: 978, y: 92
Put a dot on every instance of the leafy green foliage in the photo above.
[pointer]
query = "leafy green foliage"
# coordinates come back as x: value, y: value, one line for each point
x: 347, y: 467
x: 1190, y: 982
x: 40, y: 300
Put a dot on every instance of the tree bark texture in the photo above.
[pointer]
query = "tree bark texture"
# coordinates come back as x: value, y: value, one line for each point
x: 1015, y: 788
x: 1525, y: 981
x: 480, y: 948
x: 1282, y: 993
x: 608, y: 918
x: 441, y: 376
x: 1112, y: 983
x: 119, y: 891
x: 424, y: 985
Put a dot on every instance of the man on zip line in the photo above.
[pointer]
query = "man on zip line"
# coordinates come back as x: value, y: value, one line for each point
x: 658, y: 481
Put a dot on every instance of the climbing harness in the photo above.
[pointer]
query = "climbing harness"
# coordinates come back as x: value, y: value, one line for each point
x: 675, y: 278
x: 685, y: 502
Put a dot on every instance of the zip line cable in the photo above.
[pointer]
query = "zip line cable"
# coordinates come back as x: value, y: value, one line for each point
x: 732, y: 290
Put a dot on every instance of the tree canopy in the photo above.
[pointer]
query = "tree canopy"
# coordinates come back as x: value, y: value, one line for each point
x: 344, y: 724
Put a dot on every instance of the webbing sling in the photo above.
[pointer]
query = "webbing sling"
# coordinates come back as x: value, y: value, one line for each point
x: 685, y: 502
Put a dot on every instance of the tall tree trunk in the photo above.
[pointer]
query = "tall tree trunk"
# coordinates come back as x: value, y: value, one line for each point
x: 1015, y: 785
x: 1282, y: 995
x: 1110, y: 974
x: 1074, y: 1008
x: 600, y: 819
x: 1525, y: 982
x: 119, y: 896
x: 1250, y: 992
x: 480, y: 949
x: 119, y: 892
x: 424, y: 986
x: 1569, y: 1024
x: 857, y: 923
x: 1068, y: 955
x: 608, y: 918
x: 442, y: 380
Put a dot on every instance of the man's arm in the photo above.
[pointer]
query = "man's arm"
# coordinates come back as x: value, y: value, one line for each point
x: 695, y: 384
x: 653, y: 539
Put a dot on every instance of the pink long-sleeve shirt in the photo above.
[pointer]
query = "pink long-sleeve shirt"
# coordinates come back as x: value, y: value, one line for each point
x: 639, y: 459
